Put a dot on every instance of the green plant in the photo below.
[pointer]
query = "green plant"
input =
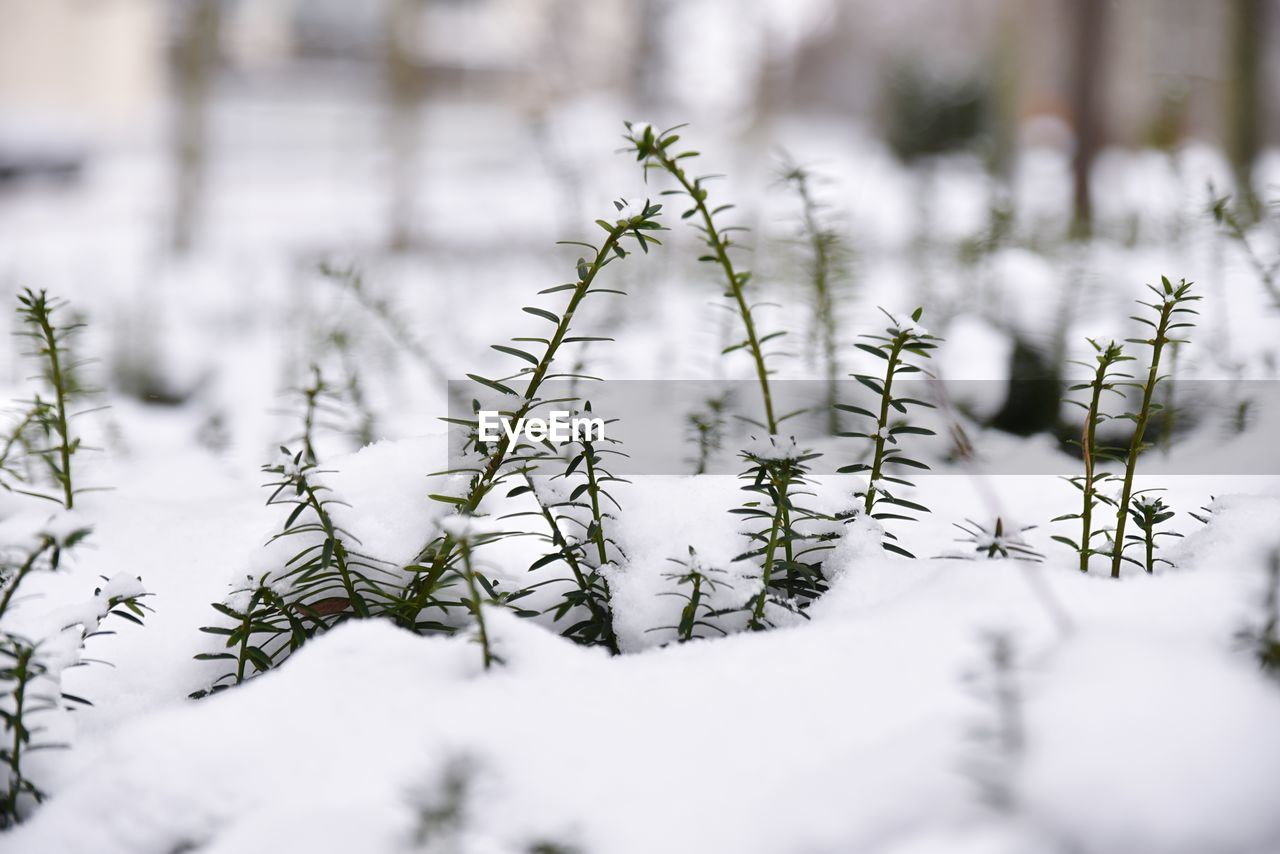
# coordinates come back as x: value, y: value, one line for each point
x: 1224, y: 214
x: 501, y: 459
x: 42, y: 442
x: 590, y: 591
x: 578, y: 499
x: 656, y: 150
x: 51, y: 418
x: 899, y: 341
x: 1169, y: 312
x: 697, y: 613
x: 776, y: 471
x: 29, y: 683
x: 21, y: 672
x: 465, y: 533
x: 21, y: 444
x: 326, y: 581
x: 1105, y: 379
x: 785, y: 544
x: 264, y: 630
x: 994, y: 542
x: 706, y: 430
x: 318, y: 401
x: 827, y: 252
x: 1148, y: 512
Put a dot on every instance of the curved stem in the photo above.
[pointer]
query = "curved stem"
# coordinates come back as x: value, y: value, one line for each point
x: 720, y: 246
x: 424, y: 586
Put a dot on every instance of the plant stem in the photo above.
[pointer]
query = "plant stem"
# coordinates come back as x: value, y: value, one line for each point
x: 824, y: 309
x: 593, y: 490
x: 882, y: 423
x: 605, y: 614
x: 765, y: 574
x: 339, y: 549
x: 40, y: 312
x: 22, y: 663
x: 720, y: 246
x: 1088, y: 443
x: 26, y: 567
x: 473, y: 590
x: 484, y: 481
x: 1140, y: 428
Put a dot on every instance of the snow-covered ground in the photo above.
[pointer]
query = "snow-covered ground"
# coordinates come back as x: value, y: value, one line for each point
x: 1128, y: 718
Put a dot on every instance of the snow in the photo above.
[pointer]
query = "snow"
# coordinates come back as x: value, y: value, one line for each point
x: 1117, y: 756
x: 1147, y: 727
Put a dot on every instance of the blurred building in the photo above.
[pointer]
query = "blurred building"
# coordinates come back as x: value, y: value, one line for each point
x: 100, y: 60
x: 1167, y: 64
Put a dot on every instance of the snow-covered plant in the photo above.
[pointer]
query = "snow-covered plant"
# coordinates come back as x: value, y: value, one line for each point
x: 30, y: 668
x: 468, y: 532
x: 23, y: 675
x: 44, y: 429
x: 773, y: 473
x: 1263, y: 639
x: 578, y: 500
x: 824, y: 265
x: 1170, y: 311
x: 263, y: 631
x: 1148, y: 513
x: 899, y: 341
x: 1106, y: 378
x: 588, y: 598
x: 657, y: 151
x: 497, y: 461
x: 999, y: 736
x: 36, y: 453
x: 320, y: 409
x: 995, y: 542
x: 326, y: 581
x: 27, y: 688
x: 695, y: 584
x: 786, y: 540
x: 21, y: 443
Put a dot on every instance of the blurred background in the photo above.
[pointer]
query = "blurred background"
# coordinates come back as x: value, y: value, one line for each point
x: 220, y: 103
x: 197, y: 174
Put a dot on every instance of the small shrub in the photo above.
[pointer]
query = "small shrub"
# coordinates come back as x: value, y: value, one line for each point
x: 899, y: 341
x: 1169, y: 316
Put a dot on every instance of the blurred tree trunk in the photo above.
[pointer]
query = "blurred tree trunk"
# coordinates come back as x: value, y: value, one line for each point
x: 1087, y: 55
x: 1005, y: 63
x: 404, y: 91
x: 1248, y: 21
x: 195, y: 61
